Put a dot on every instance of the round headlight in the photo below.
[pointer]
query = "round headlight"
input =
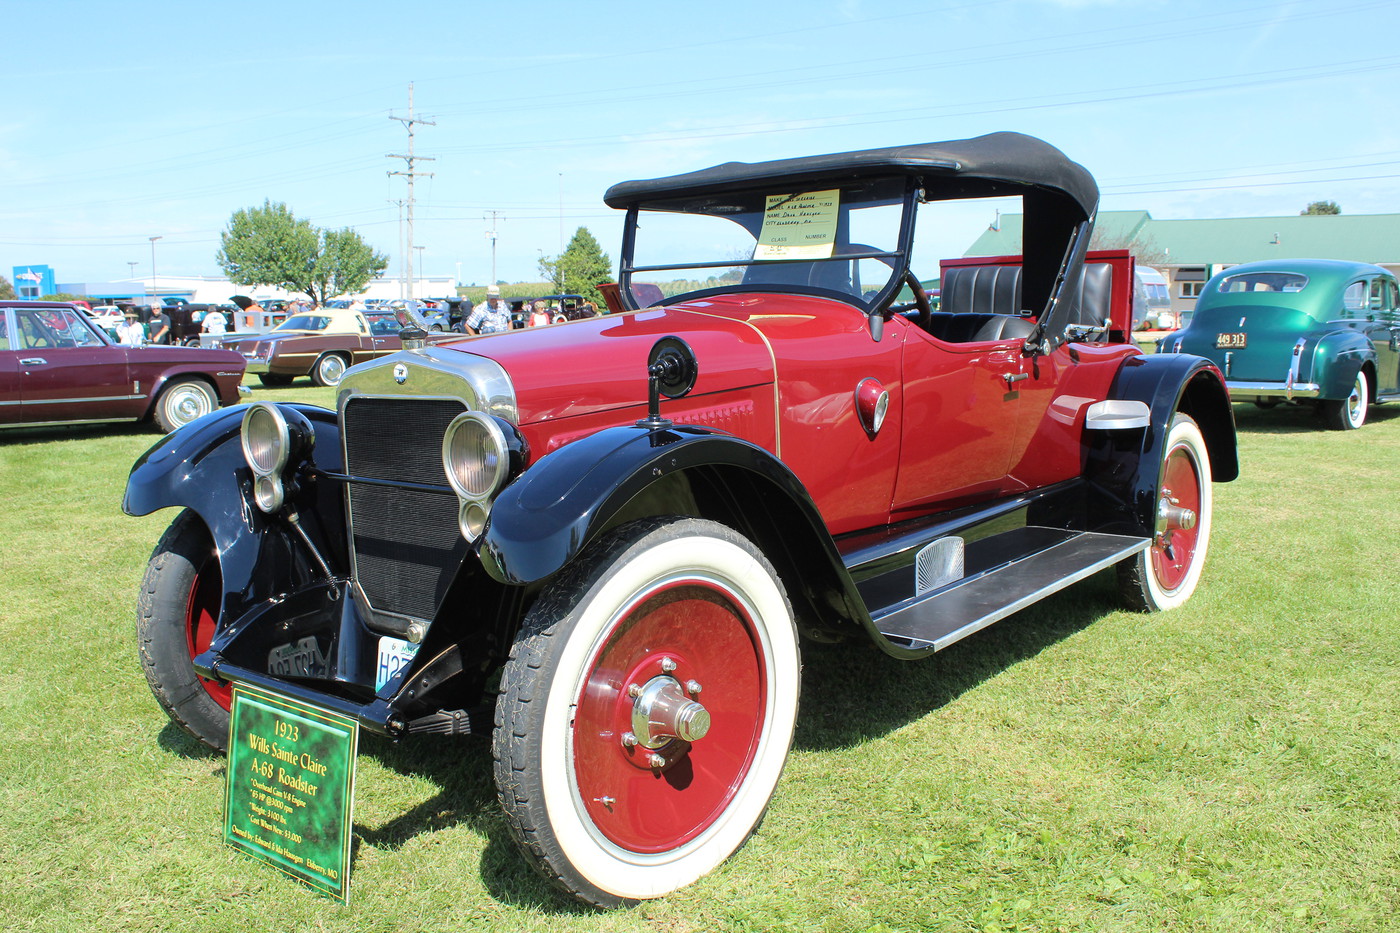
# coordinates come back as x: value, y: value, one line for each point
x: 474, y: 455
x: 471, y: 519
x: 265, y: 438
x: 269, y: 493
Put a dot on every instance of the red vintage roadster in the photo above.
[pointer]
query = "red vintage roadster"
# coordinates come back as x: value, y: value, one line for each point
x: 605, y: 543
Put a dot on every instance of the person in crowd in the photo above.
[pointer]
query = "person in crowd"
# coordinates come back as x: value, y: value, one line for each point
x: 589, y: 309
x: 131, y: 332
x: 160, y: 325
x: 252, y: 316
x: 492, y: 316
x: 539, y: 314
x: 214, y: 321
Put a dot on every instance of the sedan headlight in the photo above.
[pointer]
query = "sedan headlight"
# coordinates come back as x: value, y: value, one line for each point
x: 476, y: 459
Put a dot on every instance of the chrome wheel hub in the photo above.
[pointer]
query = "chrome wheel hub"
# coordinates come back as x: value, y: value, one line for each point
x: 662, y: 713
x: 1171, y: 516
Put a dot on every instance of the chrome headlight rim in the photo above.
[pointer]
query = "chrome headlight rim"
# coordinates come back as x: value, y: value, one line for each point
x: 472, y: 516
x: 268, y: 492
x: 500, y: 447
x: 280, y: 442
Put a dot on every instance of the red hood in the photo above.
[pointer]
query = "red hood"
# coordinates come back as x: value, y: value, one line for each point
x: 598, y: 364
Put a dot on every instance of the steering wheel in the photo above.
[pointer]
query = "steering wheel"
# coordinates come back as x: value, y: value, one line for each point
x: 920, y: 302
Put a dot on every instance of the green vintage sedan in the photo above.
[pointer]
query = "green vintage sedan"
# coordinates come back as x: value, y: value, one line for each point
x: 1304, y: 331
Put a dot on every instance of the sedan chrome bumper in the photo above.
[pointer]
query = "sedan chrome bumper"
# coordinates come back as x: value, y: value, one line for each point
x: 1273, y: 389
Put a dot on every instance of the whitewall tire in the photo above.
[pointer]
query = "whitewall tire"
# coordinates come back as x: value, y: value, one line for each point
x: 659, y: 615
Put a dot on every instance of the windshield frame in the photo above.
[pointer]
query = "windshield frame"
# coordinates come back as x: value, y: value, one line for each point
x: 897, y: 258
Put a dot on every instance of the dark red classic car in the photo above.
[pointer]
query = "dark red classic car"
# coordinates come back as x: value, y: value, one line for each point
x: 57, y: 367
x: 605, y: 542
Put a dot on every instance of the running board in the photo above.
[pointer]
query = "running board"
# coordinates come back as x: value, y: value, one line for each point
x: 959, y: 609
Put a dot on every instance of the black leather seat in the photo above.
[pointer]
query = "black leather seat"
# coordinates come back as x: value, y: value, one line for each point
x: 984, y: 302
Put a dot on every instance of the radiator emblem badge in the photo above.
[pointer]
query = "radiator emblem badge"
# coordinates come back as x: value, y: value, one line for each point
x: 400, y: 373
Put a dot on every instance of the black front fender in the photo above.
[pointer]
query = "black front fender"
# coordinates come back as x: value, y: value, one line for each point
x: 546, y: 517
x: 565, y: 500
x: 201, y: 468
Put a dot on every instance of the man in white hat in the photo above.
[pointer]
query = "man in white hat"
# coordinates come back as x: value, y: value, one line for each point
x: 493, y: 317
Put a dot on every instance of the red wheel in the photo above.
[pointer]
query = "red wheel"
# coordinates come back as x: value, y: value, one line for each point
x: 176, y: 615
x: 683, y: 635
x: 647, y: 710
x: 201, y: 618
x: 1165, y: 575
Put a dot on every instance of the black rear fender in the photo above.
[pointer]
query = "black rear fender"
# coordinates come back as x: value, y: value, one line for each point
x: 1125, y: 466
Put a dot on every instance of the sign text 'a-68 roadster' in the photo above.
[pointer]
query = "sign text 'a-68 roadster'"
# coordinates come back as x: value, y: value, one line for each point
x: 606, y: 542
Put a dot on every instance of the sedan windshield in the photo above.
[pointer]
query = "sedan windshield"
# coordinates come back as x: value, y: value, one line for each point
x: 305, y: 322
x: 841, y: 242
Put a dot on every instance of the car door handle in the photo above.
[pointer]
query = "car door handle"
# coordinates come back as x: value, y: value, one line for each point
x: 1012, y: 378
x: 33, y: 361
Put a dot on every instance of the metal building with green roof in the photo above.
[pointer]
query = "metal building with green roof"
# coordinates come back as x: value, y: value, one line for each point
x: 1188, y: 252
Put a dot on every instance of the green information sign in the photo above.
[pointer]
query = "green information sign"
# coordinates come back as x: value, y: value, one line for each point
x: 291, y: 788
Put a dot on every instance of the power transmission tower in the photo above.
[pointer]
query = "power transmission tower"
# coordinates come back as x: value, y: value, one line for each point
x: 491, y: 235
x: 409, y: 123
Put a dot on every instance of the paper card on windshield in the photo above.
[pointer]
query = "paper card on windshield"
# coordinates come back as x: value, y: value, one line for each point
x: 799, y: 226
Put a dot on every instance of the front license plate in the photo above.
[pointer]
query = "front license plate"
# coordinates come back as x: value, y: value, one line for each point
x: 394, y: 655
x: 1230, y: 341
x: 302, y: 658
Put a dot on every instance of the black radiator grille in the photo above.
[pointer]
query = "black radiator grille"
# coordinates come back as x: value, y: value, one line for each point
x: 406, y: 542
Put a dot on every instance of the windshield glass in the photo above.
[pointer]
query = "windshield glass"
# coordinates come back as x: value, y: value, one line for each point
x: 305, y: 322
x: 390, y: 320
x: 839, y: 241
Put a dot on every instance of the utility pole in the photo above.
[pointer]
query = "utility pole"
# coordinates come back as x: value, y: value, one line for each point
x: 401, y: 249
x: 409, y: 122
x: 153, y: 268
x: 491, y: 235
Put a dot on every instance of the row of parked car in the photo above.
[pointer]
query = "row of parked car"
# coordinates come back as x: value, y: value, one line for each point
x: 1301, y: 332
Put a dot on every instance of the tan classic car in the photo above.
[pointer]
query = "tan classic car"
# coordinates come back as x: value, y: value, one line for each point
x: 324, y: 343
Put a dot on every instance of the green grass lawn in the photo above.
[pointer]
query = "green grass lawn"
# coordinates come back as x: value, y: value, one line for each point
x: 1230, y: 766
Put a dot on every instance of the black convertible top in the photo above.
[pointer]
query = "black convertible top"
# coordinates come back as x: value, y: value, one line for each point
x: 1012, y: 158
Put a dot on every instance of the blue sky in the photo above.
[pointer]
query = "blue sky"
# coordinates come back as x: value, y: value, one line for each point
x: 128, y: 121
